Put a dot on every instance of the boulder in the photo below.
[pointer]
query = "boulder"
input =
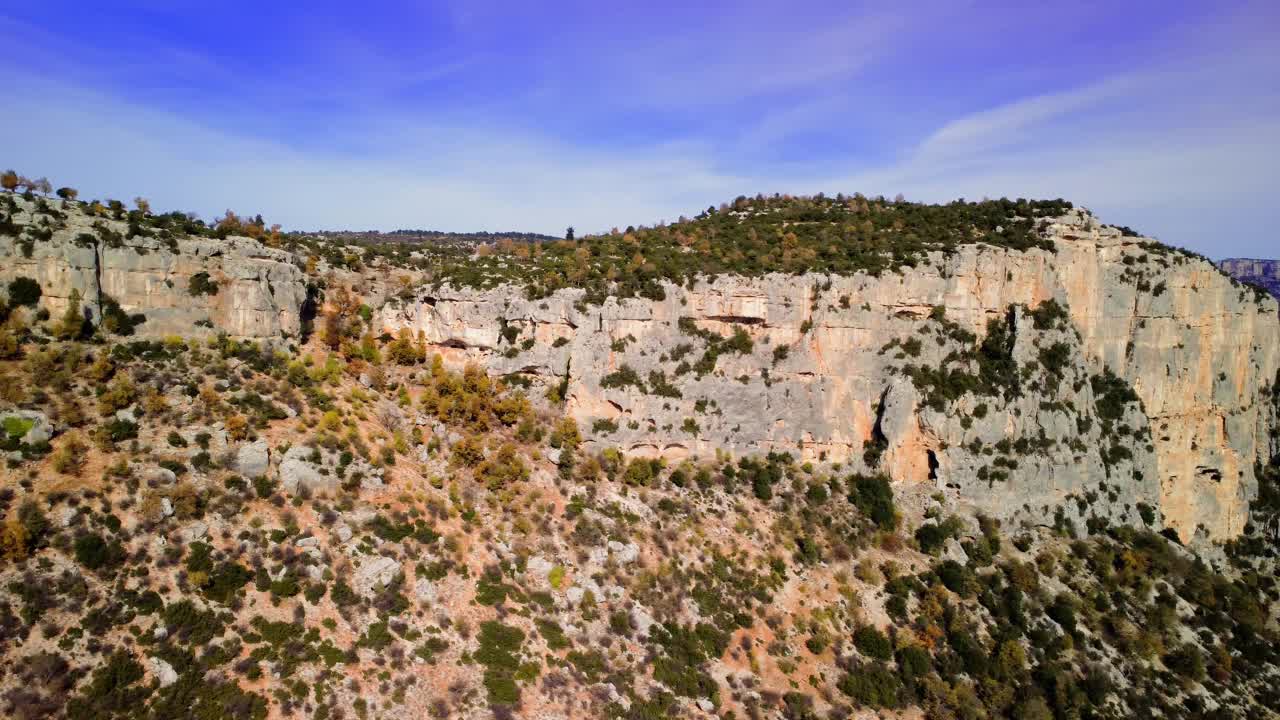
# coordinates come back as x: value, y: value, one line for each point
x: 163, y: 671
x: 297, y: 473
x: 193, y: 532
x: 375, y: 573
x: 537, y: 571
x: 66, y: 516
x: 160, y: 476
x: 425, y: 591
x: 253, y: 459
x: 623, y: 553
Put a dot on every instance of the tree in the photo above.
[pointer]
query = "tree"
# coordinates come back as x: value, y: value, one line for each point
x: 24, y: 291
x: 73, y: 322
x: 68, y: 193
x: 144, y: 205
x: 69, y: 458
x: 342, y: 305
x: 331, y: 331
x: 228, y: 224
x: 568, y: 233
x: 14, y: 540
x: 42, y: 185
x: 237, y: 427
x: 403, y: 350
x: 9, y: 180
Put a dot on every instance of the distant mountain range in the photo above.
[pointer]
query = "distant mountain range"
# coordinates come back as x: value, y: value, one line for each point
x: 1263, y: 273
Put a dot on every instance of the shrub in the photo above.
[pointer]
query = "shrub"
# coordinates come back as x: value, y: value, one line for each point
x: 70, y: 456
x: 202, y: 284
x: 499, y: 654
x: 932, y: 536
x: 874, y: 497
x: 871, y: 685
x: 623, y: 377
x: 872, y: 643
x: 503, y: 468
x: 956, y: 577
x: 95, y: 553
x: 24, y: 291
x: 1187, y: 661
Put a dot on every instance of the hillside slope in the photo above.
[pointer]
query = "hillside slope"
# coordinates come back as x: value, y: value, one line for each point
x: 934, y: 462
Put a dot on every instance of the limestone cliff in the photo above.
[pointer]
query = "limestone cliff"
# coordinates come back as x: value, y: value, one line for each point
x: 1263, y: 273
x: 1142, y: 399
x: 182, y: 284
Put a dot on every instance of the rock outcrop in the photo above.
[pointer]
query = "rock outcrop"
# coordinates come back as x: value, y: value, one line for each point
x: 1263, y: 273
x: 182, y: 285
x: 1141, y: 400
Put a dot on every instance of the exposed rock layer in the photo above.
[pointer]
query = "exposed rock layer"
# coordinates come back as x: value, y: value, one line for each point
x: 827, y: 374
x: 1263, y: 273
x: 259, y: 291
x: 1196, y: 347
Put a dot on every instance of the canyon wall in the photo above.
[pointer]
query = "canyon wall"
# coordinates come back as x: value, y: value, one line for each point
x: 1263, y: 273
x: 1125, y: 381
x: 251, y: 291
x: 1196, y: 349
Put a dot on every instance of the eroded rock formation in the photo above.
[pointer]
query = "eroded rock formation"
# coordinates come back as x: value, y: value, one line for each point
x: 1263, y: 273
x: 240, y: 287
x: 826, y: 373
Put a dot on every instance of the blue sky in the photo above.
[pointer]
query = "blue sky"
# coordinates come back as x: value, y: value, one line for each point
x: 483, y: 116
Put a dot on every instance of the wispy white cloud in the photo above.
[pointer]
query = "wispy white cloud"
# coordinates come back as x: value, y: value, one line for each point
x: 1182, y: 144
x: 1016, y: 122
x: 421, y: 176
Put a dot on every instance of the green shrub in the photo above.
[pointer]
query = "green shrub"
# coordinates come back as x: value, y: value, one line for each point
x: 499, y: 653
x: 24, y: 291
x: 872, y: 643
x: 202, y: 284
x: 873, y: 496
x: 871, y: 685
x: 95, y: 553
x: 623, y: 377
x: 933, y: 536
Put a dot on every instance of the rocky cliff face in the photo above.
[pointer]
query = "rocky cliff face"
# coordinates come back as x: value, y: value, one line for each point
x: 1263, y: 273
x: 1133, y: 393
x: 1109, y: 378
x: 241, y: 287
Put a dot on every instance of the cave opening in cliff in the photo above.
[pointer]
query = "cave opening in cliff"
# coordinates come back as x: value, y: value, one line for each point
x: 933, y: 464
x: 307, y: 313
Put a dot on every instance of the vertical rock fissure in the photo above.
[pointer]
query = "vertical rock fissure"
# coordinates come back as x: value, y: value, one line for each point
x: 97, y: 277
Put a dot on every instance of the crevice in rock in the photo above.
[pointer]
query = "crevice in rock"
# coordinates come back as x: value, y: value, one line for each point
x: 307, y: 313
x: 1213, y: 474
x: 97, y: 278
x: 736, y: 319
